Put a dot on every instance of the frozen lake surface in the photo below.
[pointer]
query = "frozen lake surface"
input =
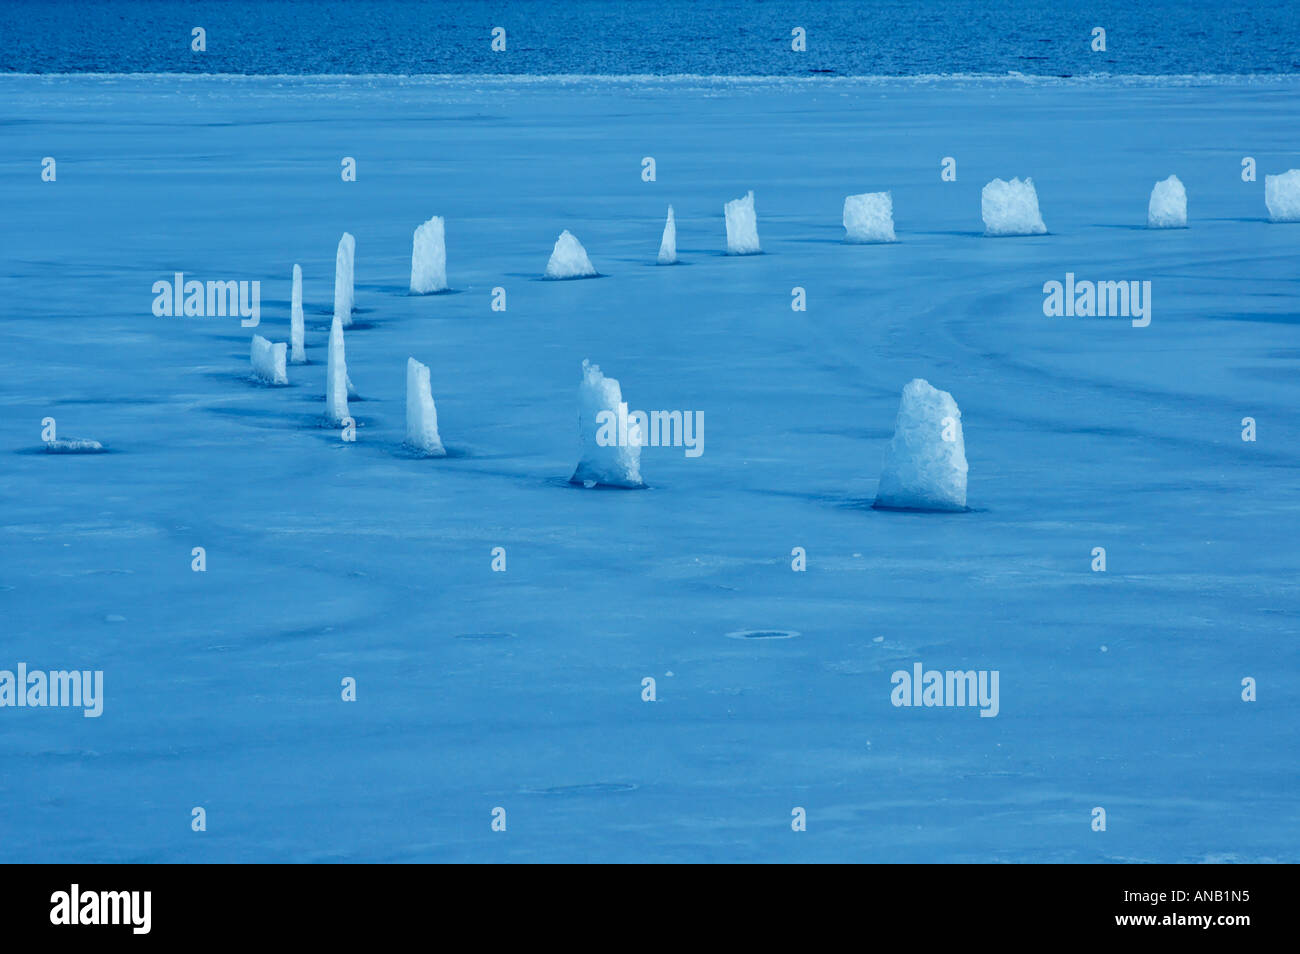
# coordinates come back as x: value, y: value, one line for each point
x: 523, y: 689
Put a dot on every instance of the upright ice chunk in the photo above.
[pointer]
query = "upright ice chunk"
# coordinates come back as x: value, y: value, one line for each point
x: 298, y: 355
x: 569, y: 259
x: 668, y: 247
x: 1011, y: 208
x: 429, y: 258
x: 1282, y: 196
x: 268, y: 361
x: 1168, y: 206
x: 421, y: 415
x: 343, y: 266
x: 925, y: 468
x: 609, y: 441
x: 742, y: 226
x: 336, y: 378
x: 869, y: 217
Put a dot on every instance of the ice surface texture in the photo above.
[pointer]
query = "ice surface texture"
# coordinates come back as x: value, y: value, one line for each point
x: 668, y: 246
x: 869, y: 217
x: 268, y: 361
x: 429, y: 258
x: 615, y: 465
x: 421, y: 415
x: 337, y: 384
x: 299, y: 356
x: 1011, y: 208
x: 1282, y: 196
x: 343, y: 267
x: 923, y: 471
x: 742, y: 226
x: 1168, y: 206
x: 569, y: 259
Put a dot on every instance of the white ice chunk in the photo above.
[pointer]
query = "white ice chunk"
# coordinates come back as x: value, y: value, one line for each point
x: 429, y: 258
x: 343, y: 268
x: 268, y: 361
x: 668, y: 247
x: 869, y: 217
x: 336, y: 377
x: 421, y: 415
x: 569, y: 259
x: 1282, y: 196
x: 742, y: 226
x: 1011, y: 208
x: 925, y: 468
x: 298, y: 355
x: 1168, y: 206
x: 608, y: 457
x: 73, y: 445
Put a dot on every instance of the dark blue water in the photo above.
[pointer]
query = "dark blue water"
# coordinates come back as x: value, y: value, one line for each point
x: 876, y: 37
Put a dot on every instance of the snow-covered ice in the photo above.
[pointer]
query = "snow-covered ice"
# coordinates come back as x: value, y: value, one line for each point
x: 742, y: 226
x: 344, y: 261
x: 421, y: 415
x: 268, y: 361
x: 869, y: 217
x: 668, y: 245
x: 925, y: 467
x: 1282, y: 196
x: 1168, y: 206
x: 569, y: 259
x: 429, y: 258
x: 607, y: 458
x: 337, y: 383
x: 1011, y: 208
x: 296, y: 329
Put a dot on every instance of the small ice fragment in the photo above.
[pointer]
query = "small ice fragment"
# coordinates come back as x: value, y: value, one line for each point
x: 1011, y: 208
x: 742, y: 226
x: 298, y: 355
x: 268, y: 361
x: 1282, y: 196
x: 925, y: 467
x: 336, y: 378
x: 1168, y: 206
x: 429, y: 258
x: 569, y: 259
x: 344, y: 261
x: 421, y: 415
x: 73, y: 445
x: 609, y: 441
x: 668, y: 246
x: 869, y: 217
